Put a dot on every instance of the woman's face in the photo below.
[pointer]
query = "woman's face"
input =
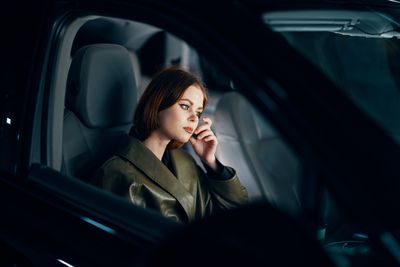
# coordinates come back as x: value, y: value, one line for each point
x: 179, y: 121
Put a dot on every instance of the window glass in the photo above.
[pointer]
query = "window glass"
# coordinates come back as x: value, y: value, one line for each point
x: 248, y: 142
x: 358, y: 50
x: 266, y: 165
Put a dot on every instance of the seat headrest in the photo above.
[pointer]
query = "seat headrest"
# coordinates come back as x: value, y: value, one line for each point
x: 101, y: 88
x: 237, y: 118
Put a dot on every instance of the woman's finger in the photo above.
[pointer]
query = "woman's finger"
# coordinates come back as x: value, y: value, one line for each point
x: 207, y: 125
x: 204, y: 133
x: 202, y: 128
x: 193, y: 140
x: 207, y: 120
x: 211, y: 138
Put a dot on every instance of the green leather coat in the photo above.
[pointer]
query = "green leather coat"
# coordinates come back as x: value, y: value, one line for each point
x: 136, y: 174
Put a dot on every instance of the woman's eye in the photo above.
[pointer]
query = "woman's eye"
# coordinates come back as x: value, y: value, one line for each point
x: 199, y: 114
x: 184, y: 106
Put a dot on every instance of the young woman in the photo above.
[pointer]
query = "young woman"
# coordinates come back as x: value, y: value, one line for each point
x: 150, y: 169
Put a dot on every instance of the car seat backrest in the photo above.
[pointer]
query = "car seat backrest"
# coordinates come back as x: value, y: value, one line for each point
x: 231, y: 150
x: 137, y: 72
x: 264, y: 163
x: 100, y: 103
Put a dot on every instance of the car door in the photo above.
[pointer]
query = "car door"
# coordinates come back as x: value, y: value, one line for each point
x: 53, y: 219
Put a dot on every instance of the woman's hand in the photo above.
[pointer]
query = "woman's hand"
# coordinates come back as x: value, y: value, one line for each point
x: 205, y: 145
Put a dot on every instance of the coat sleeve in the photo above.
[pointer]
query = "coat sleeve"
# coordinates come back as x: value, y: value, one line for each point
x: 223, y: 194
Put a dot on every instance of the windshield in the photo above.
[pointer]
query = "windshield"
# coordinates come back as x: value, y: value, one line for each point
x: 359, y: 50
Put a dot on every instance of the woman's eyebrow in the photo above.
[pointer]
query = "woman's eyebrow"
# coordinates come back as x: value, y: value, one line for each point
x: 185, y: 99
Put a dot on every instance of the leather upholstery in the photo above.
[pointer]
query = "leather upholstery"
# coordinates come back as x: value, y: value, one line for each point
x: 100, y: 103
x: 247, y: 142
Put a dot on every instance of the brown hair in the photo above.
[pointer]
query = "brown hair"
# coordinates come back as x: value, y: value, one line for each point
x: 164, y: 90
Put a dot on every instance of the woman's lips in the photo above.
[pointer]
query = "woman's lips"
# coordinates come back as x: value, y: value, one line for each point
x: 188, y: 130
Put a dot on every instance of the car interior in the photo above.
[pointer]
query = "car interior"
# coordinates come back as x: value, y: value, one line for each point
x: 104, y: 64
x: 109, y: 63
x: 280, y: 101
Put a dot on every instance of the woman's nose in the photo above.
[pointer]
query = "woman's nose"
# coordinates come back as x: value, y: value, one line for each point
x: 193, y: 117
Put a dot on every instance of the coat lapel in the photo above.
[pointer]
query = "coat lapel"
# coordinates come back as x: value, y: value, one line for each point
x: 140, y: 156
x: 186, y: 171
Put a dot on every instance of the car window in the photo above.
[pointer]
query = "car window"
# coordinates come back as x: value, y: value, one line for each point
x: 267, y: 165
x: 280, y: 103
x: 248, y: 142
x: 356, y: 49
x: 88, y: 113
x: 84, y: 131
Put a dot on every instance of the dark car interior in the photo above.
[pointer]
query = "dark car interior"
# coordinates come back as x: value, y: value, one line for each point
x: 110, y: 67
x: 103, y: 65
x: 303, y: 96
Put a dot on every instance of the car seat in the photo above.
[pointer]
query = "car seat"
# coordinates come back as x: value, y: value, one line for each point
x: 100, y: 102
x: 264, y: 163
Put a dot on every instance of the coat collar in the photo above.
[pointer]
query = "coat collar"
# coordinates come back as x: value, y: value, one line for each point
x: 140, y: 156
